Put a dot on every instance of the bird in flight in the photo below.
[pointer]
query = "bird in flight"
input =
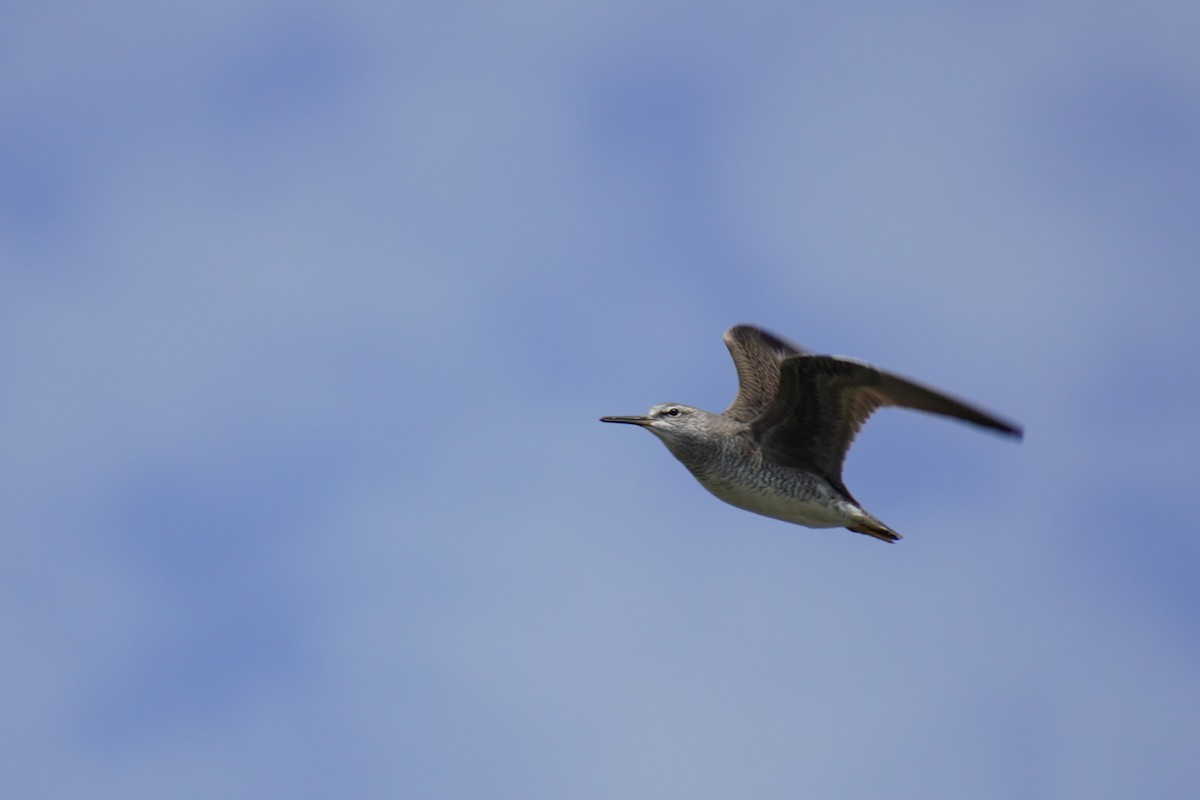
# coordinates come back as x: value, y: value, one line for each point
x: 778, y: 449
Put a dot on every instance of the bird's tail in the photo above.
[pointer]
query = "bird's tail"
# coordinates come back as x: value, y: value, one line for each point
x: 873, y: 527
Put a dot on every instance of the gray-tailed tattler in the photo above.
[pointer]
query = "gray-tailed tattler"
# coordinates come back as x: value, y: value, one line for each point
x: 779, y: 447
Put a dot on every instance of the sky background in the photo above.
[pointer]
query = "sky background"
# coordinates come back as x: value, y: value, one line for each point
x: 308, y: 312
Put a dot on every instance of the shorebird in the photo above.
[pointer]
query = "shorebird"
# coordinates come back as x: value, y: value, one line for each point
x: 778, y: 449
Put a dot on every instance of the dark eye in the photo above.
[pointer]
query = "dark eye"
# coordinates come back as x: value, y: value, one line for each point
x: 672, y: 412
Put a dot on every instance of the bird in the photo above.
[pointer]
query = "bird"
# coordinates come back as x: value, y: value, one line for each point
x: 778, y: 449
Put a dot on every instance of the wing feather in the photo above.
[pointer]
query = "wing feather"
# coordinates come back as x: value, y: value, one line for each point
x: 823, y: 401
x: 757, y: 355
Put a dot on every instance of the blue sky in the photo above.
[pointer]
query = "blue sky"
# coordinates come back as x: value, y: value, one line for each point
x: 309, y: 311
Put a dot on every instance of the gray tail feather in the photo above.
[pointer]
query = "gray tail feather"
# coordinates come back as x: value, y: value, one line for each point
x: 873, y: 527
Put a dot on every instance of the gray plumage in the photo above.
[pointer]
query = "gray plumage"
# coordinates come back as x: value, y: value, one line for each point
x: 779, y: 447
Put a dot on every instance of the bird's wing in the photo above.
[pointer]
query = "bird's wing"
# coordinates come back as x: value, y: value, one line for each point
x: 823, y: 402
x: 757, y: 355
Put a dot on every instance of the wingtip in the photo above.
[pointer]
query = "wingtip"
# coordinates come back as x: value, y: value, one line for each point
x: 1011, y: 429
x: 745, y: 334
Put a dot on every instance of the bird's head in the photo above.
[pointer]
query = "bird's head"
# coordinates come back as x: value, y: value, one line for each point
x: 676, y: 424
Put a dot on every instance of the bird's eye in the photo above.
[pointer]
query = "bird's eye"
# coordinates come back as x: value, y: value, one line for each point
x: 672, y: 412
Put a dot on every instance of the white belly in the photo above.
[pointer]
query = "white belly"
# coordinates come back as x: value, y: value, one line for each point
x: 820, y: 508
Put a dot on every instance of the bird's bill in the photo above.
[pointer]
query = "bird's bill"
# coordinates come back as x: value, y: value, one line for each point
x: 627, y: 420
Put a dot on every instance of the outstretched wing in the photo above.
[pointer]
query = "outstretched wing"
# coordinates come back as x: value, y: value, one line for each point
x: 757, y: 356
x: 823, y: 402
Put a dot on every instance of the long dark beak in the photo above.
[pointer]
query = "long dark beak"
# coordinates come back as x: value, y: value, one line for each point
x: 628, y: 420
